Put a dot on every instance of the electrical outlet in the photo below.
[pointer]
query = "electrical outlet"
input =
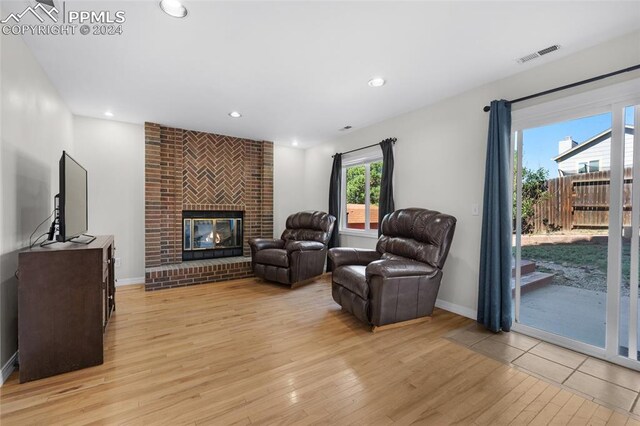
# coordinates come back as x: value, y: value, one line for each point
x: 475, y: 209
x: 118, y: 262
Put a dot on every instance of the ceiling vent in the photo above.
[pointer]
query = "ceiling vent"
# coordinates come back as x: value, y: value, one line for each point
x: 535, y: 55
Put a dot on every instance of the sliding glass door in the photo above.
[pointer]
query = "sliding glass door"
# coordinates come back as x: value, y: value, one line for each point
x: 576, y: 223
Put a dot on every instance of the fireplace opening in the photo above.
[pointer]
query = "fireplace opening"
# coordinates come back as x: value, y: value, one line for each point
x: 211, y: 234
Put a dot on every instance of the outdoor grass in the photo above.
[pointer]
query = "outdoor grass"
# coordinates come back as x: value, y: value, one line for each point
x: 581, y: 255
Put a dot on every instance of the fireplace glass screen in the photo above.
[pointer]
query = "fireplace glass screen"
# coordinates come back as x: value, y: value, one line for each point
x: 203, y: 234
x: 208, y: 235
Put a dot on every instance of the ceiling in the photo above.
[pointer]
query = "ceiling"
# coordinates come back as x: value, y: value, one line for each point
x: 299, y: 70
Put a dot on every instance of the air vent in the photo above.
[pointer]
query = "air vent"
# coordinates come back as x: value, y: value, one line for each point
x: 528, y: 58
x: 345, y: 128
x: 535, y: 55
x: 549, y: 49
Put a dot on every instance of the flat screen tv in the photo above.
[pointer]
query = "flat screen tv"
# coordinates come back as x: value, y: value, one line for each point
x: 72, y: 207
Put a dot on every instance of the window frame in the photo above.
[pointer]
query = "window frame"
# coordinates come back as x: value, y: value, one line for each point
x: 363, y: 160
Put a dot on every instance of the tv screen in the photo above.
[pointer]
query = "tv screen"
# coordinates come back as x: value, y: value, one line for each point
x: 73, y: 214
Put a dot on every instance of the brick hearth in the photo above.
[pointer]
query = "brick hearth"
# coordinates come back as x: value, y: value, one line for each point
x: 197, y: 272
x: 188, y: 170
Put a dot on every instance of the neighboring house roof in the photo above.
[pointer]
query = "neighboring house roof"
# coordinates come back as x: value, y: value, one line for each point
x: 589, y: 143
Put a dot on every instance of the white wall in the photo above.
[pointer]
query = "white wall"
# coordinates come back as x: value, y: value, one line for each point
x: 35, y: 127
x: 113, y: 154
x: 288, y: 185
x: 440, y: 155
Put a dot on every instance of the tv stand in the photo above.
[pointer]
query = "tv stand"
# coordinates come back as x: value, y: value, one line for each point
x: 89, y: 241
x: 66, y: 294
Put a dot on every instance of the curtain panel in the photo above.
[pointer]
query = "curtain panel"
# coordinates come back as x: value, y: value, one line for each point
x: 386, y: 204
x: 494, y: 295
x: 335, y: 189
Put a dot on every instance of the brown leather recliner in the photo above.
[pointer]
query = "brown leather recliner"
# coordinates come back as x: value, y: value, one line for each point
x: 299, y: 254
x: 398, y: 281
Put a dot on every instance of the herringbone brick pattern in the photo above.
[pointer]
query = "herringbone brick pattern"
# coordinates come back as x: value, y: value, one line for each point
x: 213, y: 169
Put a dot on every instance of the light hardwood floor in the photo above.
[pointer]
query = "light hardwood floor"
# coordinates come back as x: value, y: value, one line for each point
x: 251, y: 352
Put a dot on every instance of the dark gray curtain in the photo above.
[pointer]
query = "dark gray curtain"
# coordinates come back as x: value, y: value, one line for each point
x: 494, y: 296
x: 386, y: 205
x: 335, y: 186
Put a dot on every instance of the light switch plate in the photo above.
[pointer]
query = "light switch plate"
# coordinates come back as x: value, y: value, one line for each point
x: 475, y: 209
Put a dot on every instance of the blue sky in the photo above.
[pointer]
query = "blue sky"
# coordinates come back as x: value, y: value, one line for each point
x: 540, y: 144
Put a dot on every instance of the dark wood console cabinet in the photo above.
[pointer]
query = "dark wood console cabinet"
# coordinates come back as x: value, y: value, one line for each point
x: 66, y: 295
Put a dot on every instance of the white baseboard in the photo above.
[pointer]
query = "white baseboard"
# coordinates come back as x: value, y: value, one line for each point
x: 457, y: 309
x: 8, y: 368
x: 129, y: 281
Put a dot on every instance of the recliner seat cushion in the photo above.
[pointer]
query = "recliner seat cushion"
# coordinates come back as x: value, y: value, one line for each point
x: 274, y: 257
x: 353, y: 278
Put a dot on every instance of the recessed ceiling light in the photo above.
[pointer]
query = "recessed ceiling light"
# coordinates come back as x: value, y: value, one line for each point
x: 235, y: 114
x: 294, y: 143
x: 377, y: 82
x: 173, y: 8
x: 108, y: 114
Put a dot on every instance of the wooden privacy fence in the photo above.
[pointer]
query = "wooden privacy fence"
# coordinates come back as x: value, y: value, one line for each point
x: 580, y: 201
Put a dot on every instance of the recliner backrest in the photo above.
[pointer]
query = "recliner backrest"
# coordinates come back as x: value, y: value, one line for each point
x: 419, y: 234
x: 309, y: 226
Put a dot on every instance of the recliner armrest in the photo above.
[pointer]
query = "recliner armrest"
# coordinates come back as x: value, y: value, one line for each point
x: 352, y: 256
x: 387, y: 268
x: 265, y: 243
x: 303, y: 246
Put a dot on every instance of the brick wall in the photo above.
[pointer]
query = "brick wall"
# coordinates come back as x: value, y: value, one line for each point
x: 188, y: 170
x: 152, y: 205
x: 171, y: 142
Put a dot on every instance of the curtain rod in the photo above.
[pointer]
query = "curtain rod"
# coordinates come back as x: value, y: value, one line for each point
x: 569, y: 86
x: 393, y: 141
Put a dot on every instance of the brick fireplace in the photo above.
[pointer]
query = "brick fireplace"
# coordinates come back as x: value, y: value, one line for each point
x: 189, y: 171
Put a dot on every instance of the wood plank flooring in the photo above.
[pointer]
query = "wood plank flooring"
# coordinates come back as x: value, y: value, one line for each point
x: 249, y: 352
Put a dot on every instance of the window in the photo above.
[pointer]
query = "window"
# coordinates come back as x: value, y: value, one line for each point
x: 361, y: 195
x: 589, y: 166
